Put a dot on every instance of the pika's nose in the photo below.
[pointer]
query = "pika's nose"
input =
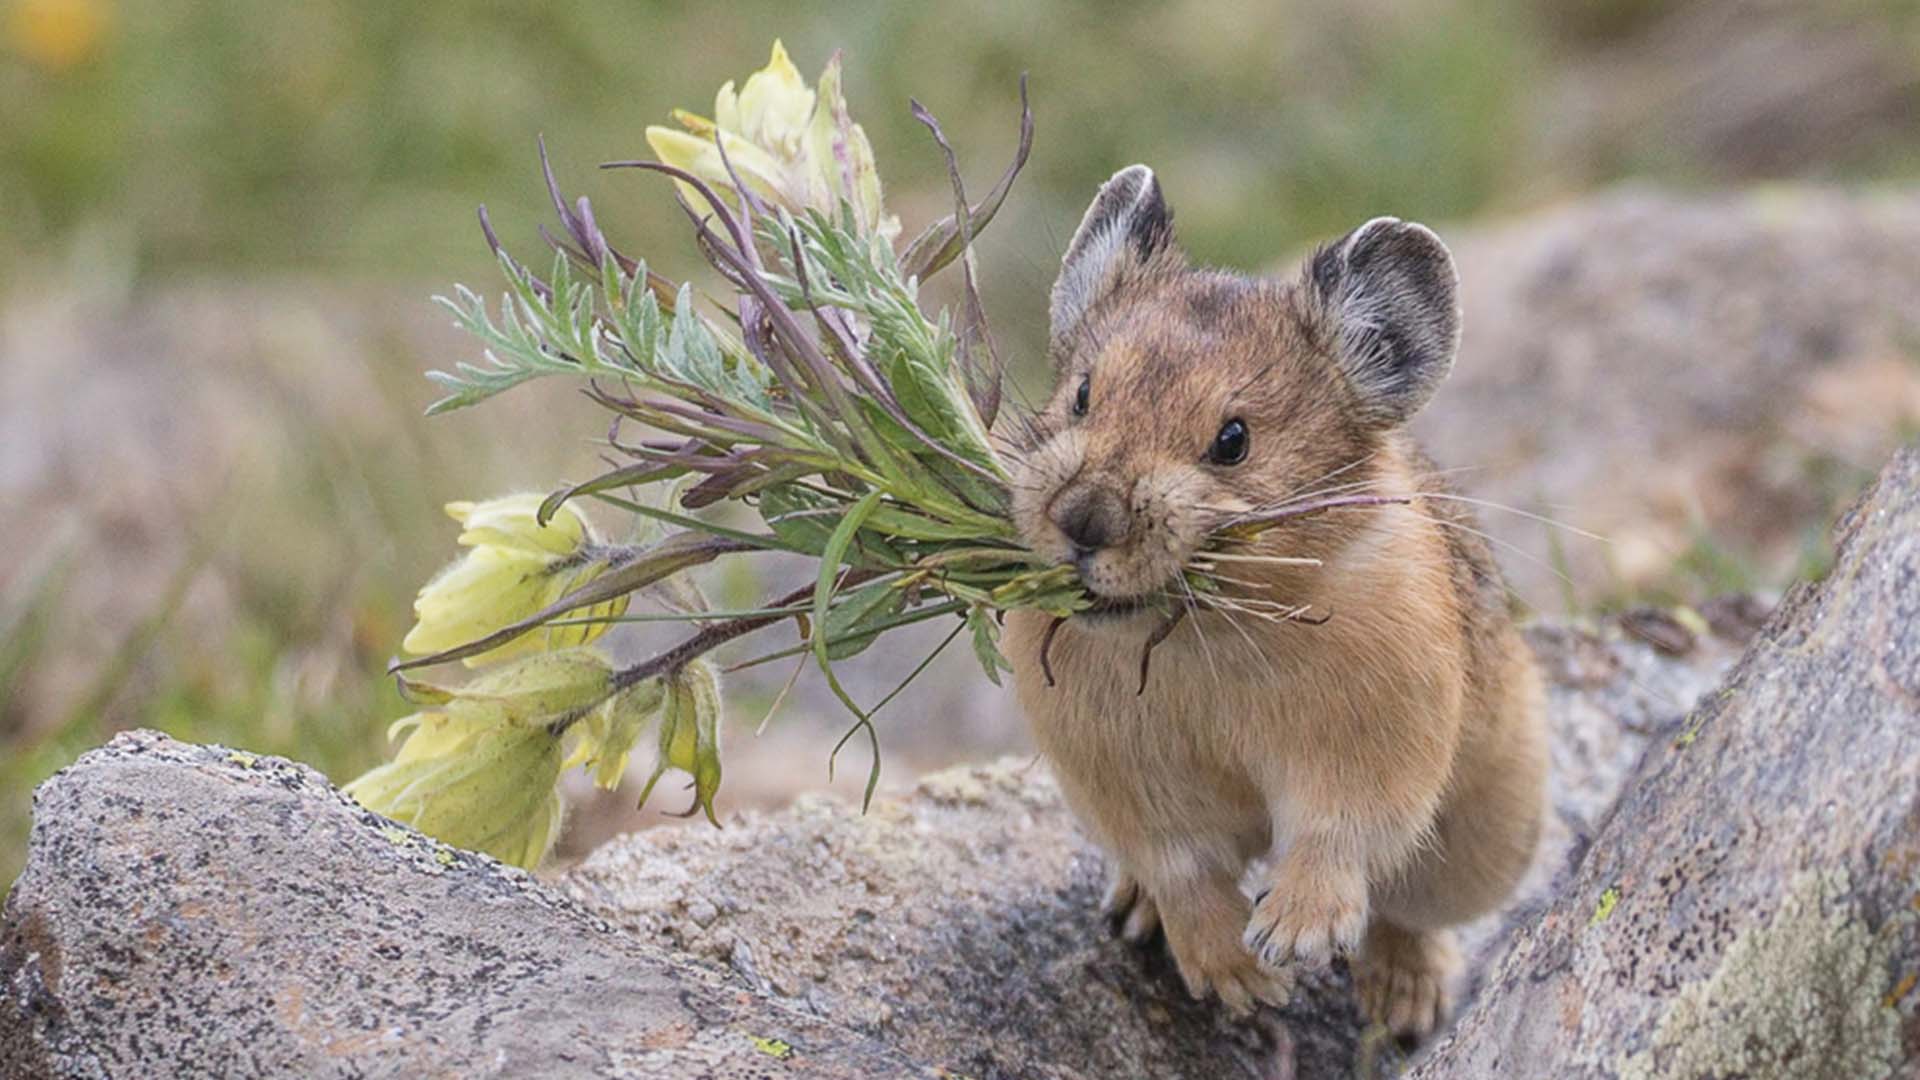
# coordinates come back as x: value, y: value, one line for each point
x: 1092, y: 517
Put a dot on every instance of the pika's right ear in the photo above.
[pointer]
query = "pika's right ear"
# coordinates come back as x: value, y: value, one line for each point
x: 1127, y: 228
x: 1387, y: 293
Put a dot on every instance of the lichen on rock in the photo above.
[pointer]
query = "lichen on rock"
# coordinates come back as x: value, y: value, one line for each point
x: 1803, y: 995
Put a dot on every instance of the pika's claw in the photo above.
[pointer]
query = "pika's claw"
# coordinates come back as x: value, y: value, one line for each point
x: 1237, y: 980
x: 1306, y: 925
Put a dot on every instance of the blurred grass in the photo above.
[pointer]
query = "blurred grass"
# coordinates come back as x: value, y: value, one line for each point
x: 236, y: 540
x: 357, y: 135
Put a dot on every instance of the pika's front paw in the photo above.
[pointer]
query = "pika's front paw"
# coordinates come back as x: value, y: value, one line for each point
x: 1229, y: 972
x: 1131, y: 912
x: 1308, y: 921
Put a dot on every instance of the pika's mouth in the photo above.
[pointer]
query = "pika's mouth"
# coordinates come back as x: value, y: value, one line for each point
x: 1115, y: 608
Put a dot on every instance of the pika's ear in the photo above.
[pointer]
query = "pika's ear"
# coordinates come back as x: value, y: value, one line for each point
x: 1128, y: 228
x: 1389, y: 293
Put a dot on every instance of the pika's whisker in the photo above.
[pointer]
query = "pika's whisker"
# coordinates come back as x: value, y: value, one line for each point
x: 1529, y: 515
x: 1503, y: 544
x: 1270, y: 560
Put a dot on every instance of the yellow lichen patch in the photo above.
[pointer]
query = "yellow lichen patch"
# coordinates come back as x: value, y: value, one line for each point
x: 773, y: 1048
x: 395, y: 835
x: 1802, y: 995
x: 1695, y: 622
x: 1609, y: 899
x: 242, y: 759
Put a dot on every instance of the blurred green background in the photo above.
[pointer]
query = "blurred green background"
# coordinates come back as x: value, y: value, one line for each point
x: 224, y: 219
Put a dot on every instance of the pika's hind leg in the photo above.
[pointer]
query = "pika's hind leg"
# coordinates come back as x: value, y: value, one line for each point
x: 1134, y: 915
x: 1405, y: 977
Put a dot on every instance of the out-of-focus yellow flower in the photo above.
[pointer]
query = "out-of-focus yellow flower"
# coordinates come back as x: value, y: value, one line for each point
x: 788, y: 143
x: 488, y: 788
x: 57, y: 35
x: 515, y: 568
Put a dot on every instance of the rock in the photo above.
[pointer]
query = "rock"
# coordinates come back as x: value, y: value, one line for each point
x: 193, y: 910
x: 1706, y: 380
x: 1749, y: 907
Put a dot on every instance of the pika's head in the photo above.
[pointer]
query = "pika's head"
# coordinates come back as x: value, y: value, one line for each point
x: 1187, y: 397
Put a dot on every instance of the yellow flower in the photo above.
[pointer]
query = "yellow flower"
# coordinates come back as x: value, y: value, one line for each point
x: 488, y: 788
x: 480, y: 770
x: 57, y: 35
x: 791, y: 145
x: 542, y: 690
x: 516, y: 567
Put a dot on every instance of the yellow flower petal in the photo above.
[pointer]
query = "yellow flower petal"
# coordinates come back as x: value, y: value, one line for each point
x: 794, y: 146
x: 484, y: 590
x: 493, y: 792
x: 513, y: 521
x: 536, y: 691
x: 699, y: 156
x: 774, y: 105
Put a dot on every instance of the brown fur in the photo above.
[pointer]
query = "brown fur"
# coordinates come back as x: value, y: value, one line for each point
x: 1391, y: 759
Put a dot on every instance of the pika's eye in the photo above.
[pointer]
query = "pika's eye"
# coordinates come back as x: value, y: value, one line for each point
x: 1230, y: 446
x: 1080, y: 396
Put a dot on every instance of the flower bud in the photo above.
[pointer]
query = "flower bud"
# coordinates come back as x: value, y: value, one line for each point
x: 689, y: 737
x: 609, y: 733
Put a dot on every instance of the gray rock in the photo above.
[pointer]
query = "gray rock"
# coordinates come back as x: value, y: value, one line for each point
x: 190, y: 910
x: 193, y: 911
x: 1749, y: 907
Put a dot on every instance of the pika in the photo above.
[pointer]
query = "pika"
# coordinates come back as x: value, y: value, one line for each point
x: 1350, y: 693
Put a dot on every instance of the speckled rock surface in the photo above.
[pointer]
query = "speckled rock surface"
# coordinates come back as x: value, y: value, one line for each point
x: 959, y: 923
x: 192, y: 911
x: 1749, y: 909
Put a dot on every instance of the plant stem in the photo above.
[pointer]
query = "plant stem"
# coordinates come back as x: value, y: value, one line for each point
x: 719, y: 634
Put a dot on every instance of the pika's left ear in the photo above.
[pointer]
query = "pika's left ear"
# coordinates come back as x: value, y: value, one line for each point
x: 1126, y: 230
x: 1389, y: 292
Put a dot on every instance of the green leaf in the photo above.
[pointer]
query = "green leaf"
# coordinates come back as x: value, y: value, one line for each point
x: 860, y: 611
x: 907, y: 525
x: 802, y: 519
x: 986, y: 642
x: 831, y: 557
x: 823, y: 588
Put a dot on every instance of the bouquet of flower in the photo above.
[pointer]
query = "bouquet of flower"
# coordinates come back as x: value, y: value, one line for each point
x: 854, y: 423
